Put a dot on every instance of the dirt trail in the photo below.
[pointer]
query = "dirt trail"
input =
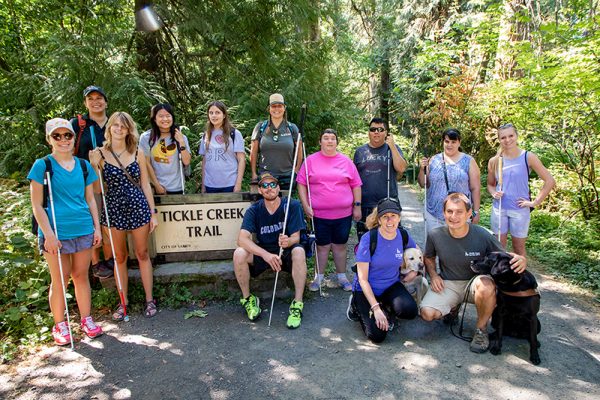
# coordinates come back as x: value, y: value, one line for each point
x: 224, y: 356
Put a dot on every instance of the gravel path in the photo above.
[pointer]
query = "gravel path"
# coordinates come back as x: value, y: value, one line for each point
x: 224, y: 356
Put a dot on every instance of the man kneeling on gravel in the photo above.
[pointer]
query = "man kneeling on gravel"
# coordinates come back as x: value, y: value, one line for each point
x: 457, y: 245
x: 265, y: 219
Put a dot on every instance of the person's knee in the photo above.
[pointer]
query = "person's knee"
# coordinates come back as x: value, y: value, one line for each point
x: 298, y: 258
x: 430, y: 314
x: 240, y: 257
x: 142, y: 254
x: 485, y: 288
x: 376, y: 336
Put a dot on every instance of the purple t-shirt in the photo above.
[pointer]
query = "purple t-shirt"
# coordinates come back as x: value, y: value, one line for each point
x: 515, y: 182
x: 332, y: 179
x: 384, y: 266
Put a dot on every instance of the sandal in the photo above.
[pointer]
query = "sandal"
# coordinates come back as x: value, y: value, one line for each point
x: 150, y: 308
x: 119, y: 313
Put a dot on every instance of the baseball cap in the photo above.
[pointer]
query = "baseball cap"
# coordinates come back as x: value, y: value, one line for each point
x: 92, y: 88
x: 56, y: 123
x: 265, y: 176
x: 388, y: 206
x: 276, y: 98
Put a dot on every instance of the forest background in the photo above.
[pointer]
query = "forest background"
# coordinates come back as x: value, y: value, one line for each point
x: 421, y: 65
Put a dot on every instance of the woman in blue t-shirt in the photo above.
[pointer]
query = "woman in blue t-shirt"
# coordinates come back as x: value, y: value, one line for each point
x: 222, y: 151
x: 377, y: 286
x: 78, y: 228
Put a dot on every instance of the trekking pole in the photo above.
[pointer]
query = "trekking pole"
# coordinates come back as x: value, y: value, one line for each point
x: 389, y: 153
x: 500, y: 199
x: 425, y: 202
x: 112, y: 247
x: 60, y: 266
x: 289, y: 200
x: 181, y: 128
x: 312, y: 220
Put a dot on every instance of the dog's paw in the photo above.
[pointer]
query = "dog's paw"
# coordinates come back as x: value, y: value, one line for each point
x: 535, y: 359
x: 495, y: 349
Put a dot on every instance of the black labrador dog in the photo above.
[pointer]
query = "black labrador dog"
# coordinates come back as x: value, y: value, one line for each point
x: 517, y: 303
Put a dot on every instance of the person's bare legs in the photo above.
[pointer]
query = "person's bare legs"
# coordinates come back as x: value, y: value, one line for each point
x: 241, y: 267
x: 485, y: 300
x: 55, y: 293
x: 298, y: 272
x: 518, y: 245
x: 322, y: 256
x: 140, y: 243
x: 430, y: 314
x: 80, y: 264
x: 120, y: 242
x: 339, y: 257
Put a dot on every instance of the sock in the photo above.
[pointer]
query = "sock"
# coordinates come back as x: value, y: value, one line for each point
x: 342, y: 277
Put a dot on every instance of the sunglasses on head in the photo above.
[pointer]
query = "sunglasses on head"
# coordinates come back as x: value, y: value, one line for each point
x: 164, y: 148
x: 60, y: 136
x: 376, y: 129
x: 271, y: 185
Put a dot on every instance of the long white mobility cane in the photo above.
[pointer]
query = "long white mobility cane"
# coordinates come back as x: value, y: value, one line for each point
x: 112, y: 247
x: 60, y: 266
x: 289, y: 200
x: 500, y: 199
x: 312, y: 220
x: 181, y: 128
x: 388, y: 172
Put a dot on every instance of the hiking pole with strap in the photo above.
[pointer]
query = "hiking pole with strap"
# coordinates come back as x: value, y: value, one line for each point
x: 389, y: 154
x: 112, y: 247
x: 312, y: 220
x: 60, y: 266
x: 500, y: 199
x: 289, y: 200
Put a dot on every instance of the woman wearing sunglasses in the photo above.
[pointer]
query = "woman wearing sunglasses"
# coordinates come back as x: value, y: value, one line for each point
x: 272, y: 144
x: 162, y: 145
x: 77, y: 223
x: 335, y: 189
x: 129, y: 202
x: 222, y: 151
x: 448, y: 172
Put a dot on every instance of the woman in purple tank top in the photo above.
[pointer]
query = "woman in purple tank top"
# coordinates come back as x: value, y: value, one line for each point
x: 512, y: 214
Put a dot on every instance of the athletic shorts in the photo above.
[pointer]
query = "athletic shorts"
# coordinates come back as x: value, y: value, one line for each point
x: 227, y: 189
x: 514, y: 221
x: 70, y: 246
x: 334, y: 231
x: 452, y: 295
x: 259, y: 265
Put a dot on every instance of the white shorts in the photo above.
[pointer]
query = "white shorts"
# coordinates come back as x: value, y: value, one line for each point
x: 514, y: 221
x: 452, y: 295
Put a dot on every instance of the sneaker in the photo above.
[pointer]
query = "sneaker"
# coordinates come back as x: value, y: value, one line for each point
x: 346, y: 285
x: 89, y: 327
x: 252, y: 306
x: 315, y: 285
x: 391, y: 324
x: 295, y: 317
x: 452, y: 316
x: 480, y: 342
x: 60, y: 333
x: 102, y: 269
x: 351, y: 312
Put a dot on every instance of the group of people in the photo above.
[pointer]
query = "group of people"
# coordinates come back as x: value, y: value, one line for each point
x: 104, y: 174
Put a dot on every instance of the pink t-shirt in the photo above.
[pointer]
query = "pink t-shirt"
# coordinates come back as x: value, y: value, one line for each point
x: 331, y: 182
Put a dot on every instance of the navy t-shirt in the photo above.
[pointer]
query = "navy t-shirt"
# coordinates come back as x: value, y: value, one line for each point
x: 268, y: 227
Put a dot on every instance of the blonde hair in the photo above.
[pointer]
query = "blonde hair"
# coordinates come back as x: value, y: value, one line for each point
x: 132, y: 138
x: 494, y: 160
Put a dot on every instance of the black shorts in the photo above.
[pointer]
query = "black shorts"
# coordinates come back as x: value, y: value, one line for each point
x: 334, y: 231
x: 259, y: 265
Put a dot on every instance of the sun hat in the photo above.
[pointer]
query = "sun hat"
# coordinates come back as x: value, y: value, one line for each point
x: 56, y: 123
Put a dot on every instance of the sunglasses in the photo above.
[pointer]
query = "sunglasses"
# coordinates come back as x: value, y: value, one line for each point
x: 271, y: 185
x: 376, y: 129
x: 60, y: 136
x: 164, y: 148
x: 506, y: 126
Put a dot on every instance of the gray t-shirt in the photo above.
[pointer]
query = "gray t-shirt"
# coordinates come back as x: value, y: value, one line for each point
x: 456, y: 255
x: 221, y: 166
x: 372, y: 164
x: 276, y: 148
x: 165, y: 161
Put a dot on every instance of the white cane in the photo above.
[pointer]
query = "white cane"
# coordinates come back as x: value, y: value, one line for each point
x: 112, y: 247
x: 312, y: 220
x: 425, y: 206
x: 388, y: 172
x: 60, y: 267
x: 500, y: 199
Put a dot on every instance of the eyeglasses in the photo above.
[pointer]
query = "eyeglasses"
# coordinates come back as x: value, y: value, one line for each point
x: 376, y: 129
x: 60, y: 136
x: 271, y: 185
x: 165, y: 148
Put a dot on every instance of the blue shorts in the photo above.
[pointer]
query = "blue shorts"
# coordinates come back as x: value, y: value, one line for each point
x: 514, y: 221
x: 334, y: 231
x: 70, y: 246
x: 228, y: 189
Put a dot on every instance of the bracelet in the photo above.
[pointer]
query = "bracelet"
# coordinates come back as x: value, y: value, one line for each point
x: 375, y: 305
x: 154, y: 211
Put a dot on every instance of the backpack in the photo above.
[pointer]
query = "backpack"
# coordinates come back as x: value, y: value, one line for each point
x: 82, y: 125
x: 291, y: 127
x: 48, y: 163
x: 373, y: 242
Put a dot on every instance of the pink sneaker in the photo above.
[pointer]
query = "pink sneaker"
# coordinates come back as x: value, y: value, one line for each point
x: 89, y: 327
x: 60, y: 333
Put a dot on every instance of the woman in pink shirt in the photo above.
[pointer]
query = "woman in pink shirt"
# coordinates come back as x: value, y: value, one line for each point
x: 335, y: 199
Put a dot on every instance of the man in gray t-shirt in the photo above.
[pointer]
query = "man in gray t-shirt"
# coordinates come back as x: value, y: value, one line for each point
x: 457, y: 245
x: 372, y: 162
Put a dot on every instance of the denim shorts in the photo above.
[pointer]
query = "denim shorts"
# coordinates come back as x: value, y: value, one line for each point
x: 334, y: 231
x: 70, y: 246
x: 514, y: 221
x: 227, y: 189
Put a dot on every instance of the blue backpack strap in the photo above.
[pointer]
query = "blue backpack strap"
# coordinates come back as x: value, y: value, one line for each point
x: 263, y: 127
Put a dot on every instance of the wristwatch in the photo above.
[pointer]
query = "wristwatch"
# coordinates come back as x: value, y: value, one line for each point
x: 357, y: 203
x: 475, y: 213
x: 182, y: 148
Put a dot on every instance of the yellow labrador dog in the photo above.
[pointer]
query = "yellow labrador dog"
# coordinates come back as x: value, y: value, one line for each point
x: 412, y: 274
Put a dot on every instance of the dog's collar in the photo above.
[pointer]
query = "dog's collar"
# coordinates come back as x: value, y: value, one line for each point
x: 522, y: 293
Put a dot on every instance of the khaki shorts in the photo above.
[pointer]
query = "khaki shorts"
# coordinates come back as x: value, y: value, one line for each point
x: 452, y: 295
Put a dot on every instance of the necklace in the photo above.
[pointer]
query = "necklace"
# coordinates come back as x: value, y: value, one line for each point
x: 118, y: 155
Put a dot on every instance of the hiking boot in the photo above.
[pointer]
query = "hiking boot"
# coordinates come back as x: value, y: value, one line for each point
x: 480, y: 342
x: 252, y: 306
x: 314, y: 285
x: 89, y: 327
x: 295, y: 317
x: 60, y: 333
x: 103, y: 269
x: 351, y: 312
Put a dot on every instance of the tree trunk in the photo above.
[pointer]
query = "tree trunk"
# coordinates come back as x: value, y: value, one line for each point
x: 512, y: 31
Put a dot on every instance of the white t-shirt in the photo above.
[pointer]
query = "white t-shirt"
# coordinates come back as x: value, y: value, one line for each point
x: 220, y: 168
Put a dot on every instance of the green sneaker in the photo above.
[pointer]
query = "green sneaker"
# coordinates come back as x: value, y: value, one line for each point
x: 252, y: 306
x: 295, y: 317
